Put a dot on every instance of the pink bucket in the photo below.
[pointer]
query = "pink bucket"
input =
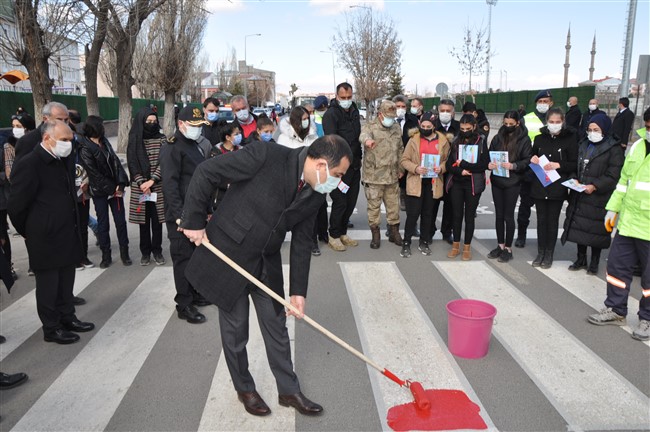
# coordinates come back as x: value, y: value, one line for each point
x: 469, y: 327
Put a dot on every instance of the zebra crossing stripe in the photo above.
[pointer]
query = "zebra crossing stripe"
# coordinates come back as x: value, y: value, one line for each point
x: 20, y: 320
x: 87, y: 393
x: 396, y: 333
x: 559, y: 364
x: 224, y: 412
x: 591, y: 290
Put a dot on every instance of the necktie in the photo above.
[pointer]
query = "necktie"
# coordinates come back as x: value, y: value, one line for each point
x: 301, y: 184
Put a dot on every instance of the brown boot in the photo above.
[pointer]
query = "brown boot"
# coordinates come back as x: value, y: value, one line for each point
x: 455, y: 250
x: 394, y: 235
x: 376, y: 237
x: 467, y: 252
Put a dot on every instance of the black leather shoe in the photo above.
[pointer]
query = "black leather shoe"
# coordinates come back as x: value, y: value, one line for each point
x: 254, y: 403
x: 8, y: 381
x: 78, y: 301
x: 520, y: 242
x: 62, y: 337
x: 78, y: 326
x: 300, y: 403
x: 191, y: 315
x: 2, y: 339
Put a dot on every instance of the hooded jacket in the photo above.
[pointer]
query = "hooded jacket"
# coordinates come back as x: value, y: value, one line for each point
x: 346, y: 124
x: 411, y: 160
x: 381, y: 164
x: 561, y: 148
x: 599, y: 165
x: 523, y: 152
x: 289, y: 138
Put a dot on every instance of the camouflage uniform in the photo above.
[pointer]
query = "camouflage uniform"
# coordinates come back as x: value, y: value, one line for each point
x: 381, y: 170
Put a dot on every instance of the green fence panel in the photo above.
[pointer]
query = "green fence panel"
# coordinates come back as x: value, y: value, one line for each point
x: 502, y: 102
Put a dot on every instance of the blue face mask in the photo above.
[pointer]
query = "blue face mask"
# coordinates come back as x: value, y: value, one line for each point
x: 330, y: 184
x: 388, y: 121
x: 213, y: 116
x: 266, y: 136
x: 236, y: 139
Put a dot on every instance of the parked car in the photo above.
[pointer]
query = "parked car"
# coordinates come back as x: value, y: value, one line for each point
x: 258, y: 111
x: 225, y: 113
x: 362, y: 113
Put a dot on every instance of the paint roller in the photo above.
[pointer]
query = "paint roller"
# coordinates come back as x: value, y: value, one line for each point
x: 421, y: 401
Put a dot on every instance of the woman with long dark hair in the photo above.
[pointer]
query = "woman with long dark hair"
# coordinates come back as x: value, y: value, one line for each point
x: 107, y: 181
x: 559, y: 144
x: 298, y: 130
x: 142, y: 154
x: 600, y: 160
x: 467, y: 162
x: 513, y: 142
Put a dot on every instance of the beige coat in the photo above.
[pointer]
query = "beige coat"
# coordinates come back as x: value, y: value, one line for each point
x: 381, y: 165
x: 411, y: 160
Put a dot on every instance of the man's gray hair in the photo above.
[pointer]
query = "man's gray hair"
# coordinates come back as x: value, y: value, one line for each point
x: 400, y: 98
x: 238, y: 98
x: 47, y: 109
x: 50, y: 125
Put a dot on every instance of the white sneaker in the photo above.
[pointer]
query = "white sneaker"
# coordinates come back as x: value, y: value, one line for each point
x: 642, y: 331
x: 607, y: 316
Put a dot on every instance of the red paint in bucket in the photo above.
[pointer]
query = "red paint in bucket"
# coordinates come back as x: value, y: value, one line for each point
x: 450, y: 410
x: 469, y: 327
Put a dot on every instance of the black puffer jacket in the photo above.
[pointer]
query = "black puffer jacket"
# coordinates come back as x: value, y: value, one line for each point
x: 563, y: 149
x: 523, y: 152
x: 455, y: 166
x: 346, y: 124
x: 105, y: 171
x: 599, y: 165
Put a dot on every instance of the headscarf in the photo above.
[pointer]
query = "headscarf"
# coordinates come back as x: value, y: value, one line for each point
x: 603, y: 122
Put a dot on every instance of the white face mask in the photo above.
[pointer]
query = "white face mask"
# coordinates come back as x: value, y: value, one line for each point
x: 401, y: 112
x: 18, y: 132
x: 647, y: 135
x: 593, y: 107
x: 192, y: 132
x: 568, y: 104
x: 542, y: 108
x: 445, y: 117
x: 345, y: 104
x: 242, y: 115
x: 305, y: 123
x: 554, y: 128
x: 330, y: 184
x: 62, y: 149
x: 595, y: 137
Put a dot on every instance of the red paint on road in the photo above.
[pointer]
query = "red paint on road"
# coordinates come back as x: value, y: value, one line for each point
x: 450, y: 409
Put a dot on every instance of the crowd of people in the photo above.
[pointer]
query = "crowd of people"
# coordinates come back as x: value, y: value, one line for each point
x: 407, y: 159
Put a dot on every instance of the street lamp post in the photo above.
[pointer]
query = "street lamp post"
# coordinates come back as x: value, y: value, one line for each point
x: 246, y: 63
x: 506, y: 74
x: 490, y: 3
x: 333, y: 66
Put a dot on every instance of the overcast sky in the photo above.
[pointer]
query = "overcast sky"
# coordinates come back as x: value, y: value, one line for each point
x: 528, y: 38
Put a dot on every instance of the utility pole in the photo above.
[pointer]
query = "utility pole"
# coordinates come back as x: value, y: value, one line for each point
x: 490, y: 3
x: 627, y: 50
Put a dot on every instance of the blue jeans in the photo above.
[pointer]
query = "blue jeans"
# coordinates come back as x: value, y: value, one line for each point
x: 102, y: 203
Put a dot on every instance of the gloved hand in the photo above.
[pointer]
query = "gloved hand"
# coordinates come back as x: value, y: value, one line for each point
x: 610, y: 220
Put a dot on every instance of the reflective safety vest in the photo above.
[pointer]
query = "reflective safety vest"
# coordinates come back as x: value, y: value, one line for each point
x: 631, y: 199
x: 641, y: 132
x: 533, y: 124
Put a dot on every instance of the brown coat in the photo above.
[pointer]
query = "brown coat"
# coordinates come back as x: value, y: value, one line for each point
x: 411, y: 160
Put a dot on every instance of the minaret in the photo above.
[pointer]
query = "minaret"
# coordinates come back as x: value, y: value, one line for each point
x: 593, y: 57
x: 566, y: 60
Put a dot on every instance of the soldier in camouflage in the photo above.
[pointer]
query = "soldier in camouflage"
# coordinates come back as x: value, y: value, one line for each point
x: 383, y: 148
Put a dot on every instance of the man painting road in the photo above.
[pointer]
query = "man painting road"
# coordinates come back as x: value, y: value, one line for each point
x: 273, y: 189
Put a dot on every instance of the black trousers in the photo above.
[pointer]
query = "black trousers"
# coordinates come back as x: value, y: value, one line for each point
x: 464, y: 204
x: 582, y: 250
x: 84, y: 213
x: 548, y: 220
x: 4, y: 236
x: 54, y: 297
x: 116, y: 205
x: 320, y: 227
x: 343, y: 203
x: 422, y: 208
x: 150, y: 231
x: 505, y: 201
x: 527, y: 202
x: 623, y: 256
x: 181, y: 250
x: 234, y: 337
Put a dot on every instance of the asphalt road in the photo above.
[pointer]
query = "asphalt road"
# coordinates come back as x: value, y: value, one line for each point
x: 144, y: 369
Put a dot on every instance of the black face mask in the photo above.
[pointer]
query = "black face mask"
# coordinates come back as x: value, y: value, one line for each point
x: 151, y: 129
x: 465, y: 134
x: 426, y: 132
x: 509, y: 129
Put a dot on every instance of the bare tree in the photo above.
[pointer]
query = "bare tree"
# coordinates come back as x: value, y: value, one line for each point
x: 97, y: 27
x: 45, y: 28
x: 126, y: 18
x: 226, y: 71
x: 472, y: 54
x: 369, y: 48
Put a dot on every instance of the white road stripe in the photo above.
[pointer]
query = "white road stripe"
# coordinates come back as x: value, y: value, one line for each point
x: 20, y: 320
x: 482, y: 234
x: 87, y: 393
x: 396, y: 333
x: 224, y: 412
x: 591, y: 290
x: 560, y: 365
